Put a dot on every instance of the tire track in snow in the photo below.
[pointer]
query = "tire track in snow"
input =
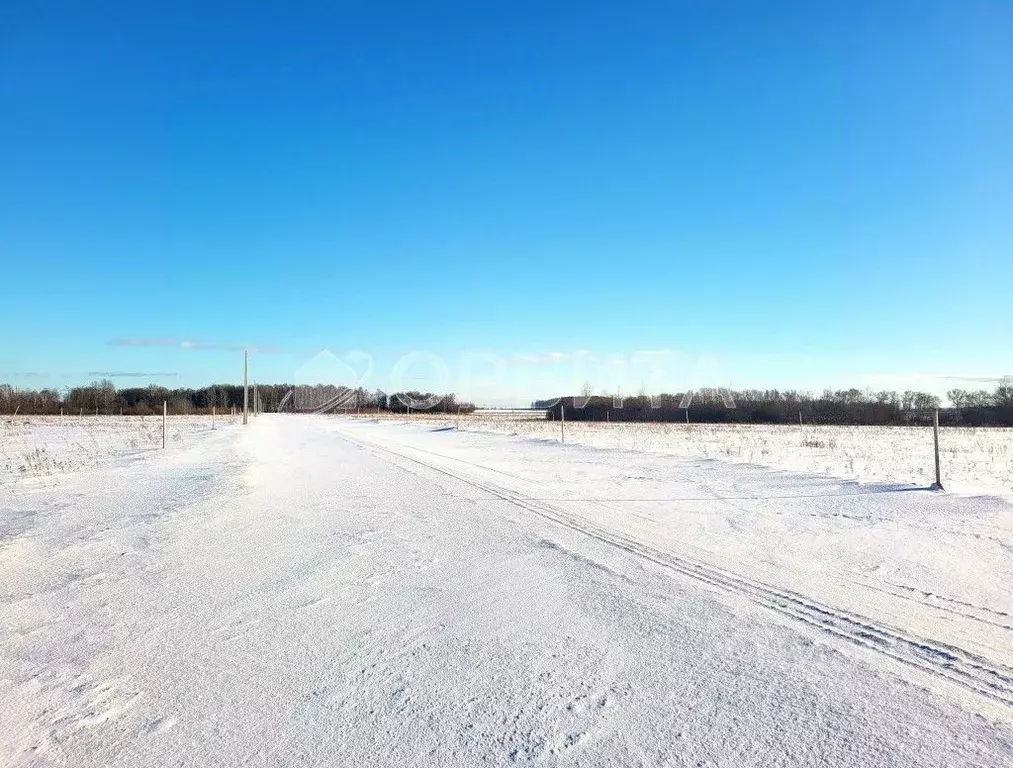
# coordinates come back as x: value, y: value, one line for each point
x: 940, y: 603
x: 946, y: 661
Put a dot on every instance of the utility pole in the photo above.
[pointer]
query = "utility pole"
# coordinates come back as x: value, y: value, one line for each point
x: 246, y: 385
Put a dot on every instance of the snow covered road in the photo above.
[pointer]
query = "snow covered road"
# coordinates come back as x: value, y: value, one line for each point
x: 319, y: 591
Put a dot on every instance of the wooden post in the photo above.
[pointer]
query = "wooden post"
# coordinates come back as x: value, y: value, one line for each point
x: 165, y: 410
x: 935, y: 436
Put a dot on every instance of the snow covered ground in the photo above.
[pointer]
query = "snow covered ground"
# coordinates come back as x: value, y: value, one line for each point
x: 326, y: 591
x: 974, y: 460
x: 35, y: 450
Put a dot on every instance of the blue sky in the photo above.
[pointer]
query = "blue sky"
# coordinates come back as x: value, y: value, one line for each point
x: 809, y: 194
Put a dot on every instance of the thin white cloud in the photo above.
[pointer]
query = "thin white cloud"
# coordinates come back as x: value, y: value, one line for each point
x: 202, y: 346
x: 980, y: 378
x: 131, y: 374
x: 897, y: 379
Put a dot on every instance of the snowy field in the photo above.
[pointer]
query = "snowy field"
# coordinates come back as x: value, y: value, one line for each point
x: 974, y: 461
x: 38, y: 450
x: 332, y: 591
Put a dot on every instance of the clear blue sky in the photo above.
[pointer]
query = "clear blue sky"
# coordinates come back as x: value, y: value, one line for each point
x: 812, y: 192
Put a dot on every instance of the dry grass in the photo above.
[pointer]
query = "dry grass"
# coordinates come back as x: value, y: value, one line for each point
x: 37, y: 450
x: 974, y: 460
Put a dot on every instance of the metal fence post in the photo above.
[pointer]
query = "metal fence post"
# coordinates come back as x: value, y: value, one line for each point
x: 935, y: 438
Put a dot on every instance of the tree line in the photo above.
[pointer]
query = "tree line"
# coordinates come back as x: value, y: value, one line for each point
x: 844, y: 407
x: 102, y: 397
x: 850, y: 406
